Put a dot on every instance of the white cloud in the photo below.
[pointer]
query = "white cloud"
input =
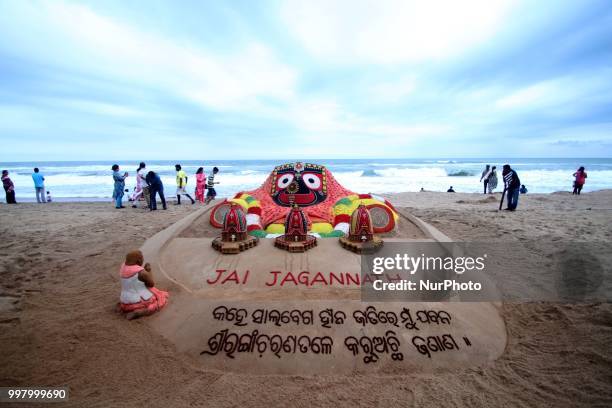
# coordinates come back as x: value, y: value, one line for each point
x: 74, y: 37
x: 393, y: 91
x: 537, y: 94
x: 325, y: 121
x: 391, y: 31
x: 555, y: 92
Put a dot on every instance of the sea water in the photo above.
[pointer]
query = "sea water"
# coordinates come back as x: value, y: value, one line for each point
x: 92, y: 180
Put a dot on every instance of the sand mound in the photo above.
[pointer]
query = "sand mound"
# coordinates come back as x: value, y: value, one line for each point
x: 266, y: 311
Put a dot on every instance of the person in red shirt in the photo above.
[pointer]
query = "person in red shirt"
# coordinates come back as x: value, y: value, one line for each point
x: 580, y: 178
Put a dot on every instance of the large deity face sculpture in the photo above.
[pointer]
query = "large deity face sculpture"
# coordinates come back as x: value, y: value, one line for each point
x: 298, y: 183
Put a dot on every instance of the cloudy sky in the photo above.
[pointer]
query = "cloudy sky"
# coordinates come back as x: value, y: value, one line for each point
x: 106, y: 80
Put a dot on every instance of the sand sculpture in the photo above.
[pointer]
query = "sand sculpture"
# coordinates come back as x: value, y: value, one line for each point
x: 296, y: 238
x: 326, y: 203
x: 234, y: 238
x: 361, y: 238
x: 269, y: 311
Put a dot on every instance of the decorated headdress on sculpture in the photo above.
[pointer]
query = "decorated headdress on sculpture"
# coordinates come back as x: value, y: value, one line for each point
x: 298, y: 183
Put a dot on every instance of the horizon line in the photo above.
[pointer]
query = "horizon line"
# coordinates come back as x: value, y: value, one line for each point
x: 310, y: 159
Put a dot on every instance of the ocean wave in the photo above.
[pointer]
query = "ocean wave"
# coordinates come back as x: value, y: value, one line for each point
x: 415, y: 172
x: 96, y: 180
x: 460, y: 173
x: 369, y: 173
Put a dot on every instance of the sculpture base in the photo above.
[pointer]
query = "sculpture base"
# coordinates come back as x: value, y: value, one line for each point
x: 284, y: 242
x: 358, y: 247
x: 234, y: 247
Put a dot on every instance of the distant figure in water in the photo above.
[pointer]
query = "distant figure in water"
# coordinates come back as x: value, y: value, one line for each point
x: 523, y: 189
x: 512, y: 185
x: 450, y: 190
x: 139, y: 297
x: 484, y: 177
x: 580, y: 178
x: 422, y: 190
x: 119, y: 188
x: 48, y: 196
x: 9, y: 187
x: 492, y: 184
x: 200, y: 185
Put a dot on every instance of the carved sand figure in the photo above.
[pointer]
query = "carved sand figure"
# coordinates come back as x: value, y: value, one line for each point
x: 139, y: 296
x: 269, y: 311
x: 312, y: 187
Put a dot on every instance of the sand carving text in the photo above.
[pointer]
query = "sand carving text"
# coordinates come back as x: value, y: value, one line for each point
x: 369, y: 348
x: 303, y: 278
x: 256, y: 342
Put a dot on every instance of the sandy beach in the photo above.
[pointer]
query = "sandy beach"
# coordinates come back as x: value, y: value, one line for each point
x: 59, y: 286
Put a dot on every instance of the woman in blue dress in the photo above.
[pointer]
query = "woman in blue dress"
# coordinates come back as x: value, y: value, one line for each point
x: 119, y: 186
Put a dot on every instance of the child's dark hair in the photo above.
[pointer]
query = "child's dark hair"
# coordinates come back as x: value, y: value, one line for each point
x: 141, y: 166
x: 115, y: 167
x: 177, y: 167
x: 36, y: 170
x: 581, y: 168
x: 215, y: 169
x: 200, y: 170
x: 4, y: 172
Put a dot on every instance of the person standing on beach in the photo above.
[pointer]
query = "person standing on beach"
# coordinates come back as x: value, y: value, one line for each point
x: 512, y: 185
x: 39, y: 185
x: 140, y: 184
x: 119, y: 187
x: 484, y: 177
x: 155, y: 186
x: 9, y: 187
x: 580, y: 178
x: 181, y: 184
x: 211, y: 194
x: 492, y: 184
x: 200, y: 184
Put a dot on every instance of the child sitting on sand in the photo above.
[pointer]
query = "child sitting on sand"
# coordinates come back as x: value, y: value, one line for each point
x: 139, y: 297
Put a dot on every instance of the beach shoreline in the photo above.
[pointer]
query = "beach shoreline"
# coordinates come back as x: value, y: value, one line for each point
x: 32, y: 200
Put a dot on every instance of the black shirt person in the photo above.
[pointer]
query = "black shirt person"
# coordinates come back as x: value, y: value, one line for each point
x: 512, y: 184
x: 155, y: 186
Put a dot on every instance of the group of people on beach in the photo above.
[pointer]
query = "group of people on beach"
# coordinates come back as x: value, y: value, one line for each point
x: 39, y: 187
x: 512, y: 184
x: 149, y: 185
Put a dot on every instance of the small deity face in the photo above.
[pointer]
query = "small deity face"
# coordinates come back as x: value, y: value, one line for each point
x: 298, y: 183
